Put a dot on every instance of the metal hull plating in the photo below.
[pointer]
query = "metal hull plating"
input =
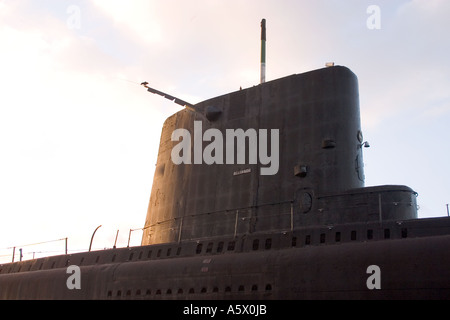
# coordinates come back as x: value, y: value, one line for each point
x: 299, y: 265
x: 311, y: 230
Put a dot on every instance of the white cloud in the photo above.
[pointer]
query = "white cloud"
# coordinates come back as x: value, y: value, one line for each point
x: 75, y: 137
x: 139, y: 17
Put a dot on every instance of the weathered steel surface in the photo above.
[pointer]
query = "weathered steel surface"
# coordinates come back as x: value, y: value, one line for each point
x: 311, y: 230
x: 411, y: 268
x: 317, y: 115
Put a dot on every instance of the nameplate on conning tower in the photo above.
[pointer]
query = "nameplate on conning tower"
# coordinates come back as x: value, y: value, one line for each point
x: 239, y: 172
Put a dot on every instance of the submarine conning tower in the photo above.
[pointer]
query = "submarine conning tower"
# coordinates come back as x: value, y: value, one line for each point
x: 281, y: 156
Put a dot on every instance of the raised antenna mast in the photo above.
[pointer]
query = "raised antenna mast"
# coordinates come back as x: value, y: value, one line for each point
x: 168, y: 96
x: 263, y: 50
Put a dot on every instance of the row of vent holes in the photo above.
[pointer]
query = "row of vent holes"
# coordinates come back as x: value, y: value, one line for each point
x: 231, y: 246
x: 149, y: 254
x: 241, y: 288
x: 387, y: 235
x: 267, y: 246
x: 268, y: 242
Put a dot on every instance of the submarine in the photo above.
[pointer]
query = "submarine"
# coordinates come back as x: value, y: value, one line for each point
x: 259, y: 194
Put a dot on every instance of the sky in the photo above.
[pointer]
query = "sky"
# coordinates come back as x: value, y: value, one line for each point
x: 79, y: 136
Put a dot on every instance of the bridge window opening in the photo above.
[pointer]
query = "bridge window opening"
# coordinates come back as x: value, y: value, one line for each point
x: 241, y: 288
x: 149, y: 254
x: 353, y: 235
x: 268, y: 287
x: 216, y: 289
x: 138, y: 292
x: 119, y: 293
x: 370, y: 234
x: 129, y: 258
x: 178, y: 251
x: 109, y: 294
x: 191, y: 291
x: 113, y: 258
x: 231, y: 245
x: 148, y: 292
x: 180, y: 291
x: 228, y: 289
x: 203, y: 290
x: 169, y: 291
x: 158, y: 292
x: 308, y: 240
x: 255, y: 244
x: 140, y: 255
x: 158, y: 254
x: 255, y: 287
x: 169, y: 251
x: 199, y: 248
x: 337, y: 237
x: 268, y: 244
x: 209, y: 247
x: 128, y: 293
x: 387, y: 233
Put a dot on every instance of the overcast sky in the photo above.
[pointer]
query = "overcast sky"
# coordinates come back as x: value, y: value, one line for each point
x: 79, y: 137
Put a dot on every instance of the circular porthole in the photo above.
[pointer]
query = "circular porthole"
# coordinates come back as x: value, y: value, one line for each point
x: 305, y: 202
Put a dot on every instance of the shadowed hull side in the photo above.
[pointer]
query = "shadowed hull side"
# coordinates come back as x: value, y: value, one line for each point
x: 410, y: 269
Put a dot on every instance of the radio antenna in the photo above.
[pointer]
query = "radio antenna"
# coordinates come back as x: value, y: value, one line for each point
x: 185, y: 104
x: 263, y: 50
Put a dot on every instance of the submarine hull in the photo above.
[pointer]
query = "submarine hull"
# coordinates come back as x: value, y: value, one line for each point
x: 306, y: 264
x: 230, y: 230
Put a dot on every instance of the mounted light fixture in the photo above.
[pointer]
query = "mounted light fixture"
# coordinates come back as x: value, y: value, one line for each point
x: 365, y: 144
